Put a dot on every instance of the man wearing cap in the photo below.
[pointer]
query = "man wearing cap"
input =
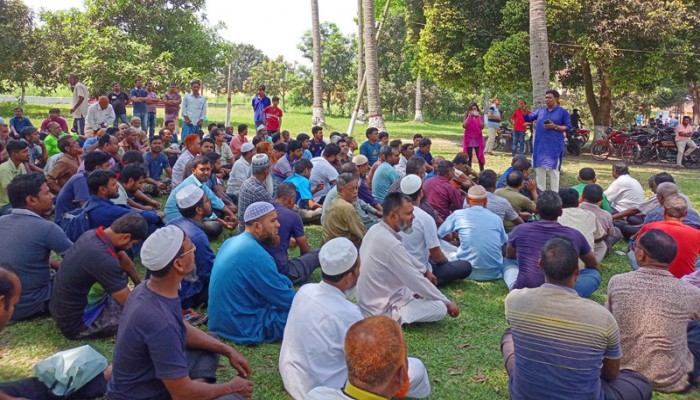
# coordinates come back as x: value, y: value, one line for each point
x: 342, y: 218
x: 423, y: 242
x: 250, y: 298
x: 481, y: 235
x: 416, y: 166
x: 97, y: 257
x: 297, y: 269
x: 195, y: 207
x: 201, y: 172
x: 312, y: 353
x: 260, y: 102
x: 364, y: 193
x: 158, y: 355
x: 393, y: 282
x: 240, y: 171
x: 253, y: 189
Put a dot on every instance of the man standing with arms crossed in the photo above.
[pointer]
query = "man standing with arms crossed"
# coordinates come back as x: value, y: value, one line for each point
x: 172, y: 101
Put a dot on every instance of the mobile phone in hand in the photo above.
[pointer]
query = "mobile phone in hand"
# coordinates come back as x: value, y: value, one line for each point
x: 547, y: 122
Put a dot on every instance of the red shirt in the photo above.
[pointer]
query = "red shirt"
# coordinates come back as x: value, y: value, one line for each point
x: 272, y: 118
x: 688, y: 242
x: 442, y: 196
x: 518, y: 120
x: 61, y: 121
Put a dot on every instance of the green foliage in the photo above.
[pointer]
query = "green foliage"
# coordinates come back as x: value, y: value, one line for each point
x: 243, y: 58
x: 18, y: 45
x: 278, y: 76
x: 507, y: 63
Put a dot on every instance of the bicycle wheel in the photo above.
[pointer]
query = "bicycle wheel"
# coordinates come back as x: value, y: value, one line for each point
x: 691, y: 162
x: 630, y: 152
x: 600, y: 150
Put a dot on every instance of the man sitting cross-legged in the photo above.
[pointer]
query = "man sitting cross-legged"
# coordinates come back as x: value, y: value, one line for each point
x: 195, y: 207
x: 375, y: 352
x: 75, y: 192
x: 157, y: 355
x: 393, y: 282
x: 254, y: 189
x: 513, y: 193
x: 558, y: 341
x: 312, y: 353
x: 423, y: 242
x: 368, y: 214
x: 291, y: 227
x: 250, y: 298
x: 481, y: 236
x: 90, y: 288
x: 341, y: 218
x: 521, y: 269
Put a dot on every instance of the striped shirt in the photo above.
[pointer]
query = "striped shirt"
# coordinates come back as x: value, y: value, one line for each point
x: 560, y: 342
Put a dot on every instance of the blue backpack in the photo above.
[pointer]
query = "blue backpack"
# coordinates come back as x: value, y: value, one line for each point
x: 77, y: 222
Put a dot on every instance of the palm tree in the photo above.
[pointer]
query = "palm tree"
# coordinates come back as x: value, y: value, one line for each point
x: 418, y: 116
x: 374, y: 107
x: 539, y: 52
x: 360, y: 58
x: 317, y: 117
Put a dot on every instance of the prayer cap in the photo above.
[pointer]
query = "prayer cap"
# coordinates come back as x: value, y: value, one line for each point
x: 476, y: 192
x: 161, y: 247
x: 247, y: 146
x: 189, y: 196
x: 410, y: 184
x: 257, y: 210
x: 260, y: 160
x: 259, y: 128
x: 360, y: 160
x: 337, y: 256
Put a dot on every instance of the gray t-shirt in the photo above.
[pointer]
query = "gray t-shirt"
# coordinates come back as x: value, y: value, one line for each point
x: 27, y: 242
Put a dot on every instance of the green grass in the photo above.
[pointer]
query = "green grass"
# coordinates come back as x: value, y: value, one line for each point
x: 462, y: 355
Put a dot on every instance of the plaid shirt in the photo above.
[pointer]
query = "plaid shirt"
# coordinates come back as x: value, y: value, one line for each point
x: 252, y: 190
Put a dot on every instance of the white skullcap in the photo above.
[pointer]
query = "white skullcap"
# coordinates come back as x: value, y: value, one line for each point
x: 257, y: 210
x: 360, y: 160
x: 189, y: 196
x: 259, y: 128
x: 411, y: 184
x: 247, y: 146
x: 161, y: 247
x: 337, y: 256
x: 260, y: 160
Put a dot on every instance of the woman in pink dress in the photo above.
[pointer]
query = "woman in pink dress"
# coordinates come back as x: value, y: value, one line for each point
x: 473, y: 124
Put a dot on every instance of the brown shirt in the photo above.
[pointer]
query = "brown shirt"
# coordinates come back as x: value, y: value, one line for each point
x: 342, y: 220
x: 65, y: 167
x: 653, y: 308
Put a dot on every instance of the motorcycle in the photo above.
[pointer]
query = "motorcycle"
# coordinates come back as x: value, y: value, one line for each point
x: 574, y: 141
x: 504, y: 140
x: 661, y: 146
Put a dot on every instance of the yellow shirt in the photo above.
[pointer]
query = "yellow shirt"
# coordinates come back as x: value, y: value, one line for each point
x: 7, y: 172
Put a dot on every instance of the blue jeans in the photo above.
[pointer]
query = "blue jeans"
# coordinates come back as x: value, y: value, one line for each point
x: 587, y: 282
x: 144, y: 120
x: 188, y: 129
x: 120, y: 118
x: 518, y: 141
x: 151, y: 124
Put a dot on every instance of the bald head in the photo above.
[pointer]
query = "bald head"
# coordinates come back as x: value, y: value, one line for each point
x: 665, y: 189
x: 104, y: 102
x: 376, y: 355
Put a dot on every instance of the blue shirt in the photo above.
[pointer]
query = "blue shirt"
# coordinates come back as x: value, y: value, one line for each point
x: 307, y: 154
x: 203, y: 257
x: 382, y: 179
x: 251, y: 295
x: 291, y: 226
x: 428, y: 157
x: 139, y: 107
x: 72, y: 194
x: 364, y: 194
x: 481, y: 237
x: 657, y: 215
x: 316, y: 149
x: 371, y: 151
x: 156, y: 166
x: 20, y: 124
x: 303, y: 186
x: 89, y: 142
x: 171, y: 210
x: 502, y: 180
x: 496, y: 112
x: 548, y: 148
x: 258, y: 106
x: 108, y: 212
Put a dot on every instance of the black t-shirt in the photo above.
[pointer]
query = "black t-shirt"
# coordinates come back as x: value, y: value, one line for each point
x: 118, y: 102
x: 91, y: 260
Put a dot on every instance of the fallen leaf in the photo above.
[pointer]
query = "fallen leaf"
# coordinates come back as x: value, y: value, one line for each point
x: 454, y: 372
x: 465, y: 346
x: 480, y: 378
x: 437, y: 380
x: 459, y: 291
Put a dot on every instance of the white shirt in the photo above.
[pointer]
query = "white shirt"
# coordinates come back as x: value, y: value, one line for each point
x: 123, y: 196
x: 179, y: 168
x: 324, y: 172
x: 240, y: 171
x: 325, y: 393
x: 96, y: 116
x: 423, y: 238
x: 312, y: 352
x: 583, y: 221
x: 401, y: 166
x: 624, y: 193
x: 80, y: 90
x: 390, y: 275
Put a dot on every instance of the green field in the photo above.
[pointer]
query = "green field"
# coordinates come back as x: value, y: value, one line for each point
x: 462, y: 355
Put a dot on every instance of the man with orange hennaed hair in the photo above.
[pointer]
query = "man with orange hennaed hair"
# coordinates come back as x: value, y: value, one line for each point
x: 375, y: 351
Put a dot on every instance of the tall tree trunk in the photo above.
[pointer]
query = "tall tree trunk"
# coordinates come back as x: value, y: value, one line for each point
x: 24, y: 92
x: 360, y: 59
x: 328, y: 102
x: 317, y: 116
x: 418, y: 117
x: 539, y: 52
x: 695, y: 94
x: 600, y: 106
x: 374, y: 106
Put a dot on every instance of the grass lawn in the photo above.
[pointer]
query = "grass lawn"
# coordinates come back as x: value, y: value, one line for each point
x: 462, y: 355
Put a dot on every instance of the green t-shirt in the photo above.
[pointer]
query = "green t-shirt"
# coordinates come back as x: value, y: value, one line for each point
x: 519, y: 202
x: 605, y: 204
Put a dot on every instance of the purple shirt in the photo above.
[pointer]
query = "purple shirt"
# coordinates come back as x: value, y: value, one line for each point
x: 529, y: 239
x: 364, y: 194
x: 291, y: 226
x: 444, y: 197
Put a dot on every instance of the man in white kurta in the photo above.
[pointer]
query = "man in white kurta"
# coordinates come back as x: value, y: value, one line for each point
x: 312, y: 353
x: 393, y: 282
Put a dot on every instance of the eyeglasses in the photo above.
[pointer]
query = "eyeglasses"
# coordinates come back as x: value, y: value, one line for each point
x: 188, y: 251
x: 636, y: 246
